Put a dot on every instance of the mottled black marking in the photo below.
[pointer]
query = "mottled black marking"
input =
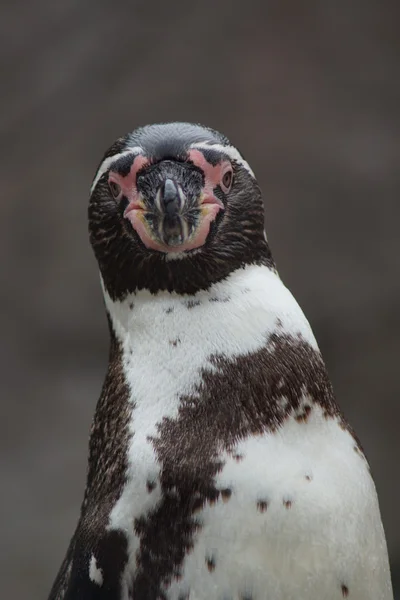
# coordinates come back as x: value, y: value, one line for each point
x: 345, y: 590
x: 150, y: 485
x: 169, y: 310
x: 262, y: 505
x: 210, y: 562
x: 192, y: 303
x: 308, y: 477
x: 189, y: 446
x: 303, y: 416
x: 174, y: 342
x: 131, y: 305
x: 219, y: 299
x: 287, y: 503
x: 238, y: 457
x: 164, y: 542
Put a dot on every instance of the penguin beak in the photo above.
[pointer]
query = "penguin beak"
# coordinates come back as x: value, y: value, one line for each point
x: 170, y: 201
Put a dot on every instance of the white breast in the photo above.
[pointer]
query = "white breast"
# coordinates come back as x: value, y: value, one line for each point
x: 167, y: 340
x: 302, y: 522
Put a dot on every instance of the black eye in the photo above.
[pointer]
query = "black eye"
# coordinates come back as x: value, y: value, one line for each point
x: 227, y: 180
x: 114, y: 189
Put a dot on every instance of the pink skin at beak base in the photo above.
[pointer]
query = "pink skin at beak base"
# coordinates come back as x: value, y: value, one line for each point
x: 209, y: 209
x: 135, y: 211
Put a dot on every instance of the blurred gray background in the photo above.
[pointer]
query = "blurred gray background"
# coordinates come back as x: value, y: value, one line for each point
x: 310, y: 92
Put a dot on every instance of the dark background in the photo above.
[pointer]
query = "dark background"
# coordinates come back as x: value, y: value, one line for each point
x: 310, y: 92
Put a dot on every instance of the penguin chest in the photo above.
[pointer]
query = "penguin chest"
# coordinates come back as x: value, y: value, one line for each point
x: 292, y: 515
x: 212, y: 510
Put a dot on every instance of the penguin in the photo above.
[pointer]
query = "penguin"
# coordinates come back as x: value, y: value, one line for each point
x: 220, y: 464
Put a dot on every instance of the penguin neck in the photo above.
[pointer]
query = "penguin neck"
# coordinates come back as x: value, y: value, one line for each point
x: 125, y: 272
x: 251, y: 300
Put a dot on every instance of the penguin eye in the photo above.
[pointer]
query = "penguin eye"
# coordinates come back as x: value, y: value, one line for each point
x: 227, y: 181
x: 115, y: 189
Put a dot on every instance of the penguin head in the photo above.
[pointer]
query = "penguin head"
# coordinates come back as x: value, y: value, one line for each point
x: 174, y: 207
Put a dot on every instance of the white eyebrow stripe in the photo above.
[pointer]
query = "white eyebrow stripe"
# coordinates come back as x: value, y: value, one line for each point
x: 230, y: 151
x: 107, y: 162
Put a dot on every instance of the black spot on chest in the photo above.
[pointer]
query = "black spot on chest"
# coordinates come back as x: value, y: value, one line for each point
x: 303, y: 416
x: 192, y: 303
x: 210, y: 562
x: 226, y: 494
x: 345, y: 590
x: 150, y: 485
x: 219, y: 299
x: 262, y: 505
x: 238, y: 457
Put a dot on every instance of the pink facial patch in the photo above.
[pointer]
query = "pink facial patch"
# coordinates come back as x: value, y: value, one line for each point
x: 209, y: 207
x: 137, y: 218
x: 213, y: 175
x: 127, y: 183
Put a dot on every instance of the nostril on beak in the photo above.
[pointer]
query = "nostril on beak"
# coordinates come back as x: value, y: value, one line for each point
x: 170, y: 200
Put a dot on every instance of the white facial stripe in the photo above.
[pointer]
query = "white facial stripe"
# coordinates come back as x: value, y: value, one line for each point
x: 107, y: 162
x: 230, y: 151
